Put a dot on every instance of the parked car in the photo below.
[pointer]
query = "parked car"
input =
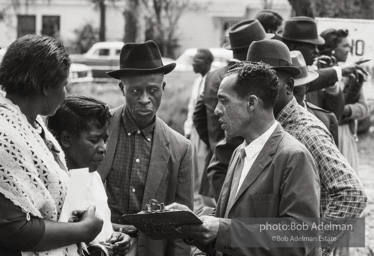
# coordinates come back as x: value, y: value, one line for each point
x: 80, y: 73
x: 221, y: 57
x: 101, y: 57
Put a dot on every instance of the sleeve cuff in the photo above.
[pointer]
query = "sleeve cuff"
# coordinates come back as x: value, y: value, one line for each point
x: 339, y: 73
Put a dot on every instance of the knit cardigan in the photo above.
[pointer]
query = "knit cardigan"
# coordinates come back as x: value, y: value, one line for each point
x: 29, y: 175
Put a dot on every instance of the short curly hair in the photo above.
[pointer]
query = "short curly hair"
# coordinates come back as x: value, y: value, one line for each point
x: 256, y: 78
x: 332, y: 38
x: 76, y: 113
x: 33, y: 62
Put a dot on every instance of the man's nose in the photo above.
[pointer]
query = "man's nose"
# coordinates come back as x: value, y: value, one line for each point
x: 217, y: 110
x: 144, y: 98
x: 102, y: 147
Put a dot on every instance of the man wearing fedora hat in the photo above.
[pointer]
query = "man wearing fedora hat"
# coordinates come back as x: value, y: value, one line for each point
x: 241, y: 35
x: 300, y: 33
x: 300, y: 87
x: 145, y: 158
x: 270, y: 175
x: 342, y: 193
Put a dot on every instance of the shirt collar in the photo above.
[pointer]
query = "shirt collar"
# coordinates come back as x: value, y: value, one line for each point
x: 256, y: 146
x: 287, y: 111
x: 131, y: 127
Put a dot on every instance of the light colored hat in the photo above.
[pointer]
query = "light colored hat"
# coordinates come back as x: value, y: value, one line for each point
x: 306, y: 75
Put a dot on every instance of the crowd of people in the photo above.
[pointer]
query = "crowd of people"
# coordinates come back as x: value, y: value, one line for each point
x: 270, y: 135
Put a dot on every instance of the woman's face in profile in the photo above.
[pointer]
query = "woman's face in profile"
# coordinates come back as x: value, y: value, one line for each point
x: 53, y: 97
x: 342, y: 50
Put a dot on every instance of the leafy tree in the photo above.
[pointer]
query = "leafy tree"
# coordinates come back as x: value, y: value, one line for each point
x: 302, y: 7
x: 354, y: 9
x: 162, y: 22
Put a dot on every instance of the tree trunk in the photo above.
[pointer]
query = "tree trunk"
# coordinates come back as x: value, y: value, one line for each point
x: 102, y: 37
x: 302, y: 8
x: 134, y: 21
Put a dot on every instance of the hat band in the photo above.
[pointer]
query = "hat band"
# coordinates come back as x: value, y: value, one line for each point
x: 275, y: 62
x: 304, y: 72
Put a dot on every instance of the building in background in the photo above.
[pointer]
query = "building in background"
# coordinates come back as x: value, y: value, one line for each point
x: 202, y: 28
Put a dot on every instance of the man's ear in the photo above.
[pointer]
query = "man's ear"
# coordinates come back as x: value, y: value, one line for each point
x: 45, y: 90
x: 289, y: 85
x: 252, y: 102
x: 122, y: 87
x: 65, y: 139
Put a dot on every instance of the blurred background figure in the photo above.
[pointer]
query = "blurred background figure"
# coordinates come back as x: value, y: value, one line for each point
x: 201, y: 64
x: 271, y: 20
x: 337, y: 46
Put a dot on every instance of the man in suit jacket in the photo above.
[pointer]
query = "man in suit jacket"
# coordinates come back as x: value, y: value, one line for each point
x: 270, y: 175
x: 145, y: 158
x: 241, y: 35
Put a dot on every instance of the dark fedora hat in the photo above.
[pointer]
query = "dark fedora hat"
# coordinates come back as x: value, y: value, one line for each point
x: 242, y: 34
x: 301, y: 29
x: 140, y: 58
x: 272, y: 52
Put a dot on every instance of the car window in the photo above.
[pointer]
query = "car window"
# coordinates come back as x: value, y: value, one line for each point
x: 118, y: 51
x: 102, y: 52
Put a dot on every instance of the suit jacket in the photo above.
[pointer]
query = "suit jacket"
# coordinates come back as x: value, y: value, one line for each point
x: 333, y: 102
x: 282, y: 182
x: 209, y: 129
x: 326, y: 117
x: 169, y: 177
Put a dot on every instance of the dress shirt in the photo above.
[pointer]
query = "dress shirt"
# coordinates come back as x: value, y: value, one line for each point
x: 342, y: 193
x: 130, y: 168
x: 197, y: 90
x: 252, y: 150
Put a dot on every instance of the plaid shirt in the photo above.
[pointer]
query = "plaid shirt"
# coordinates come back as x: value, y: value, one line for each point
x: 130, y: 168
x: 342, y: 193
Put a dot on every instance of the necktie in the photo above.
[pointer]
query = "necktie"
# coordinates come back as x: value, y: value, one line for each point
x: 235, y: 180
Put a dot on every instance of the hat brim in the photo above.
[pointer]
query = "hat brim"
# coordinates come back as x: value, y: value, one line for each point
x: 293, y: 70
x: 117, y: 74
x: 305, y: 80
x: 317, y: 41
x: 228, y: 45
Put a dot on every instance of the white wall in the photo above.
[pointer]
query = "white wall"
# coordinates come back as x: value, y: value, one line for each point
x: 74, y: 14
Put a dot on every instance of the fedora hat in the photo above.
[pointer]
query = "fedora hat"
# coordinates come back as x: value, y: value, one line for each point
x: 301, y: 29
x: 272, y: 52
x: 242, y: 34
x: 306, y: 75
x: 140, y: 58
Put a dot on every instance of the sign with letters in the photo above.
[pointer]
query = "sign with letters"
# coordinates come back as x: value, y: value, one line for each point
x: 361, y: 39
x: 360, y: 34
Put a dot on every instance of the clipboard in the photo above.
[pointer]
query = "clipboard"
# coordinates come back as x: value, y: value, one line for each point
x: 160, y: 224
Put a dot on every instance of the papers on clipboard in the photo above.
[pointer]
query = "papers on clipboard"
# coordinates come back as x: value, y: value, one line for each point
x: 76, y: 195
x: 161, y: 225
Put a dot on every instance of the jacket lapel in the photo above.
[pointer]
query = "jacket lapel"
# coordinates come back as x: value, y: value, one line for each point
x: 225, y: 191
x: 263, y: 159
x: 158, y: 163
x: 114, y: 128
